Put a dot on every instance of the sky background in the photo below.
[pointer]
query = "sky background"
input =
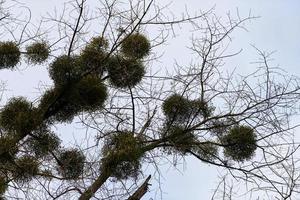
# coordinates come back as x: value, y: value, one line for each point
x: 277, y: 29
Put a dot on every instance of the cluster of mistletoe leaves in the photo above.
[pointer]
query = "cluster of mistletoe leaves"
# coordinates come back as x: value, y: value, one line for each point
x: 10, y: 55
x: 180, y: 109
x: 179, y: 112
x: 178, y: 138
x: 238, y: 141
x: 42, y: 142
x: 27, y: 140
x: 122, y: 153
x: 37, y: 53
x: 71, y: 163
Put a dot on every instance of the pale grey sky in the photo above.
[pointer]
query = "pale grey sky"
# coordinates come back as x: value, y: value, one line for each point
x: 278, y: 28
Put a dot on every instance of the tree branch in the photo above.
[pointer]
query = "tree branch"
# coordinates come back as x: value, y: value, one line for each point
x: 141, y: 191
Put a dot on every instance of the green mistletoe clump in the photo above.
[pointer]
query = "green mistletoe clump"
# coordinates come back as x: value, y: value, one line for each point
x: 240, y: 143
x: 37, y: 52
x: 9, y: 55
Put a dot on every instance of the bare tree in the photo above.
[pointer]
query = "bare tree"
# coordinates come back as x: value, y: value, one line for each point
x: 134, y: 114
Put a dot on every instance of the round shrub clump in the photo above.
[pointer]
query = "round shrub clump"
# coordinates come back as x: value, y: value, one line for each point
x: 125, y: 73
x: 99, y: 44
x: 71, y: 164
x: 240, y: 143
x: 37, y: 52
x: 176, y: 108
x: 9, y: 55
x: 56, y: 105
x: 89, y: 93
x: 26, y: 167
x: 126, y: 169
x: 94, y: 53
x: 179, y: 138
x: 179, y: 109
x: 65, y: 70
x: 199, y: 107
x: 59, y: 104
x: 43, y: 142
x: 122, y: 152
x: 18, y: 116
x: 8, y: 149
x: 3, y: 185
x: 136, y: 46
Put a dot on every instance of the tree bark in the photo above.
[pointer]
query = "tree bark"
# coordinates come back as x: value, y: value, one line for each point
x: 141, y: 191
x: 89, y: 193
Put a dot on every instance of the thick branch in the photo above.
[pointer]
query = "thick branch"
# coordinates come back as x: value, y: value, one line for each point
x: 141, y: 191
x: 89, y: 193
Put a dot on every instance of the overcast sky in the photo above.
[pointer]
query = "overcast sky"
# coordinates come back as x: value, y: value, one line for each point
x: 278, y: 28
